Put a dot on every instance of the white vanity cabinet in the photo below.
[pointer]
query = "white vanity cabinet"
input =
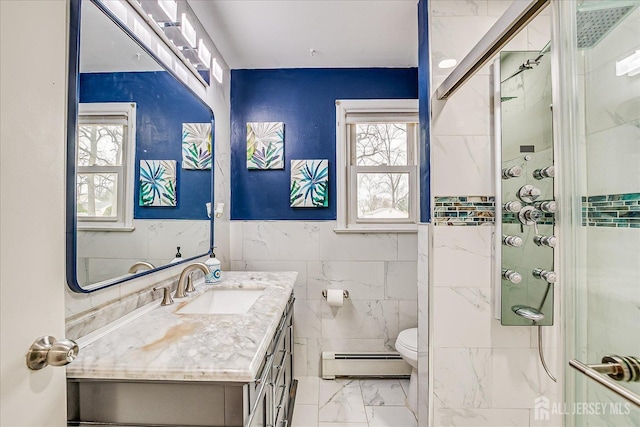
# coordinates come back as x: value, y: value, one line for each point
x: 266, y: 402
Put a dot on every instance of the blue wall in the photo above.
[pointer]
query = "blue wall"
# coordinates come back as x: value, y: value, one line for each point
x: 424, y: 114
x: 304, y: 99
x: 162, y: 105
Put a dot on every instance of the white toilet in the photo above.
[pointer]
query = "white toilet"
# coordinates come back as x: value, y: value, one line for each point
x: 407, y: 346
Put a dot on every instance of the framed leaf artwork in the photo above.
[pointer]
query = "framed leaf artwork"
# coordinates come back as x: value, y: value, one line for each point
x: 158, y: 183
x: 265, y: 145
x: 196, y: 146
x: 309, y: 184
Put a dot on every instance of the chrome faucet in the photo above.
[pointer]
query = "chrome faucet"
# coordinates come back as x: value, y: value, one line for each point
x: 140, y: 265
x: 180, y: 291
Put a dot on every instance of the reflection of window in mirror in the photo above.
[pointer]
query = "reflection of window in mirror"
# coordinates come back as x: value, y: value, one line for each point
x: 105, y: 166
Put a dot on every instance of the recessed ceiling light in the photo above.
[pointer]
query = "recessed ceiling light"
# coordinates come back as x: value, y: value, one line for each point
x: 447, y: 63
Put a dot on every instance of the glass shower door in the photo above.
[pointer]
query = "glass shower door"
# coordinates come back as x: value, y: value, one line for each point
x: 606, y: 174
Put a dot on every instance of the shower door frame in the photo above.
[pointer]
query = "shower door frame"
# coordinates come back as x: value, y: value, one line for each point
x: 571, y: 181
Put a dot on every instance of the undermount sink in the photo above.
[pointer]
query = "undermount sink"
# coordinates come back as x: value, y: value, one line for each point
x: 223, y: 301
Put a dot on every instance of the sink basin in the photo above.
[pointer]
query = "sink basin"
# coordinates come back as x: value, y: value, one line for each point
x: 223, y: 301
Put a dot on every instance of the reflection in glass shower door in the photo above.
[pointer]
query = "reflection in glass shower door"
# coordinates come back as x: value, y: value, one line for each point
x: 607, y: 289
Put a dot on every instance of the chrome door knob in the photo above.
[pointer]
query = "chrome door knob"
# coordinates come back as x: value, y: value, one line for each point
x: 47, y: 351
x: 548, y: 172
x: 512, y: 172
x: 548, y: 241
x: 529, y: 193
x: 548, y: 206
x: 546, y: 275
x: 513, y: 206
x: 512, y: 276
x: 513, y: 241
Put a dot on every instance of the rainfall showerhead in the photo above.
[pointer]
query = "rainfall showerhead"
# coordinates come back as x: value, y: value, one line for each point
x: 596, y: 18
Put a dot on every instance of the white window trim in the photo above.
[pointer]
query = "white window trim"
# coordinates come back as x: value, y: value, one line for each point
x: 128, y: 164
x: 344, y: 176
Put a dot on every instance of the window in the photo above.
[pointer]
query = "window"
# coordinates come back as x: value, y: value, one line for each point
x: 376, y: 150
x: 104, y: 166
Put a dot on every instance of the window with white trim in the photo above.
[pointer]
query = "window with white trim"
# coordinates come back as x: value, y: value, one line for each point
x: 105, y: 154
x: 377, y: 165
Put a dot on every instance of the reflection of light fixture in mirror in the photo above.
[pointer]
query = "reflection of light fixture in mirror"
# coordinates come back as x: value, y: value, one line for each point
x: 204, y: 54
x: 629, y: 65
x: 119, y: 10
x: 188, y: 31
x: 141, y: 31
x: 161, y: 10
x: 216, y: 69
x: 447, y: 63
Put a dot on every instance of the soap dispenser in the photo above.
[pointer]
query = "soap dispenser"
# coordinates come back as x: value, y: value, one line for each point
x: 215, y: 273
x: 178, y: 257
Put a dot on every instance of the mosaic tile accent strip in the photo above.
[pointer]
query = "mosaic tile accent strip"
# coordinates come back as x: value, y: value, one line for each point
x: 464, y: 210
x: 612, y: 210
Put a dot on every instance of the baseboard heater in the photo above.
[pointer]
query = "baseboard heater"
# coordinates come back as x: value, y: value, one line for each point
x: 364, y: 364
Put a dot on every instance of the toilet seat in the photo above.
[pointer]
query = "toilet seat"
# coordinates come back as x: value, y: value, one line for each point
x: 408, y: 339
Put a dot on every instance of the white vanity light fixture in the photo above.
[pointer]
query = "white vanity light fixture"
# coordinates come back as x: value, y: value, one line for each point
x: 204, y: 53
x: 170, y: 8
x: 216, y: 70
x: 188, y: 31
x: 629, y: 65
x: 447, y: 63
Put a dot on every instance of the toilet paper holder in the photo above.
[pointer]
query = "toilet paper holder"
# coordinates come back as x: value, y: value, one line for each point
x: 345, y: 294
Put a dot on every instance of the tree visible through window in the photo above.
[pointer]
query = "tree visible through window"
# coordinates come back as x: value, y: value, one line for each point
x: 376, y: 164
x: 105, y: 153
x: 99, y: 165
x: 382, y: 195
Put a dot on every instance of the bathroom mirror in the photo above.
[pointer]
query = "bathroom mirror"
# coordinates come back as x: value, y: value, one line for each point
x: 139, y: 158
x: 524, y: 188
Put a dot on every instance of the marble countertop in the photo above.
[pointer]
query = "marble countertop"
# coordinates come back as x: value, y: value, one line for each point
x: 167, y: 346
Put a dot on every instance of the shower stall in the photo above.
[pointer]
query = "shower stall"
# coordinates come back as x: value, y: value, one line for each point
x: 599, y: 169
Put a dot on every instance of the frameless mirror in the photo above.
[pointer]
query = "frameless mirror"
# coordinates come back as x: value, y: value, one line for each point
x: 139, y: 159
x: 524, y: 179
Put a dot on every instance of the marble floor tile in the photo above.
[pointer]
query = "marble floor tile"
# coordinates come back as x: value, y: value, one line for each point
x: 390, y: 416
x: 351, y: 403
x: 378, y: 392
x: 305, y: 416
x: 308, y: 388
x: 341, y: 401
x: 342, y: 425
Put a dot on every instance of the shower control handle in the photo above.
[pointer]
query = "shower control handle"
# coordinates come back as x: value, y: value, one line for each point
x: 546, y: 275
x: 513, y: 241
x: 548, y: 241
x: 512, y: 172
x: 513, y: 206
x: 548, y: 172
x: 548, y: 206
x: 512, y: 276
x: 530, y: 215
x: 528, y: 193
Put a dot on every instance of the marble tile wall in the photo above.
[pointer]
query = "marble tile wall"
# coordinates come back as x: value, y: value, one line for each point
x: 482, y: 373
x: 378, y: 270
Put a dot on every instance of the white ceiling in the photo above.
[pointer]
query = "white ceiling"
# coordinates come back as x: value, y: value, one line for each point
x: 280, y: 34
